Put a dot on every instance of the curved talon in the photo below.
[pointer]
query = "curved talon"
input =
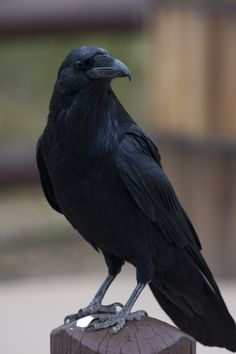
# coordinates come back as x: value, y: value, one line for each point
x: 92, y: 325
x: 118, y: 304
x: 66, y: 320
x: 83, y: 313
x: 116, y: 321
x: 99, y: 323
x: 99, y: 308
x: 110, y: 308
x: 118, y: 326
x: 70, y: 318
x: 92, y: 309
x: 137, y: 315
x: 104, y: 322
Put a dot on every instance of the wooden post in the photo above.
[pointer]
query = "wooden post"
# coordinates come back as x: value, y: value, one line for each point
x: 145, y: 336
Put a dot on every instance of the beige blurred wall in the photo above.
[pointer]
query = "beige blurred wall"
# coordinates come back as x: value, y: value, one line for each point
x: 192, y: 69
x: 192, y: 74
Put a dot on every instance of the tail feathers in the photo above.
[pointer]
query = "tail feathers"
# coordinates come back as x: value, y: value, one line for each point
x: 211, y: 326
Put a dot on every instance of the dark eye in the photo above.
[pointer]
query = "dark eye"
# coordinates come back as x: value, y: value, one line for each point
x: 79, y: 65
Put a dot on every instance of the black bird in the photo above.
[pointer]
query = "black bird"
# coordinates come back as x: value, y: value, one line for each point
x: 101, y: 171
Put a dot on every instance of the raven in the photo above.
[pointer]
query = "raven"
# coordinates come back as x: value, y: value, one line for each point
x: 104, y: 174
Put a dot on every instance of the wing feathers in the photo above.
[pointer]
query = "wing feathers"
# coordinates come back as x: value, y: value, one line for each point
x: 139, y: 166
x: 45, y: 179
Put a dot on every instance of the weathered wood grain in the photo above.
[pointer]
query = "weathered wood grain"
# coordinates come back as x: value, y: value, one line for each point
x: 147, y: 336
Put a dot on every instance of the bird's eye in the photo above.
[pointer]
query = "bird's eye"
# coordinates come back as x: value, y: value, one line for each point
x: 79, y: 65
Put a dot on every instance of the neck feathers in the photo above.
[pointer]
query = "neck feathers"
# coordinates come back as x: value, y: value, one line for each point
x: 95, y: 120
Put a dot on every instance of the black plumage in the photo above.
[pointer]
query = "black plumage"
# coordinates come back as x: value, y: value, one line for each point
x: 101, y: 171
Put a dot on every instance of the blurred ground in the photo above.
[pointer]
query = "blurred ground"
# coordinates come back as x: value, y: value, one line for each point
x: 31, y: 308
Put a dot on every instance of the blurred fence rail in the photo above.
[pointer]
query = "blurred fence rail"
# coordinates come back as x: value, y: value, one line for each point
x: 18, y: 165
x: 45, y: 18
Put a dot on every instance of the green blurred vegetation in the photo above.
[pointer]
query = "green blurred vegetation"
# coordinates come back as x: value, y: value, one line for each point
x: 30, y: 231
x: 28, y: 69
x: 26, y: 219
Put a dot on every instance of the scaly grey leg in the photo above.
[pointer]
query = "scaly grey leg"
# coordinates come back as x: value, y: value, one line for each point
x: 118, y: 320
x: 95, y: 305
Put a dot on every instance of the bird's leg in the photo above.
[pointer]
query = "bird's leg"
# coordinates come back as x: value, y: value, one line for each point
x: 95, y: 305
x: 117, y: 320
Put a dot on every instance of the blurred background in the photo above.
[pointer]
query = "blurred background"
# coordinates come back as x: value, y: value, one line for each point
x: 181, y: 55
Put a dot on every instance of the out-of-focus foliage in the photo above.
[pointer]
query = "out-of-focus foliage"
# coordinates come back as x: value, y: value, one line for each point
x: 28, y: 70
x: 30, y: 229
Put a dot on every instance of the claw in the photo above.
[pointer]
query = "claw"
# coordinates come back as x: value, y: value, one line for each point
x: 96, y: 323
x: 118, y: 304
x: 91, y: 309
x: 70, y: 318
x: 116, y: 321
x: 118, y: 326
x: 137, y: 315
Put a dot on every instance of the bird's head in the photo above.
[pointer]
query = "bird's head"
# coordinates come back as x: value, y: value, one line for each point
x: 86, y: 65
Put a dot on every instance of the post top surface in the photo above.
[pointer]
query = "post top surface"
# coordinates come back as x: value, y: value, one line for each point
x: 144, y: 337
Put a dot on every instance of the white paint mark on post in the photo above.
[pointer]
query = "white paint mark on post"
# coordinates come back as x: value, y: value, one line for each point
x: 84, y: 322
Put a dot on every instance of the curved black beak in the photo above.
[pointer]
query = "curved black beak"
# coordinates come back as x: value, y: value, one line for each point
x: 109, y: 69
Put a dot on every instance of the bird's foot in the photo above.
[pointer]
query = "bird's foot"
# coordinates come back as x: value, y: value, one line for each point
x: 116, y: 321
x: 92, y: 308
